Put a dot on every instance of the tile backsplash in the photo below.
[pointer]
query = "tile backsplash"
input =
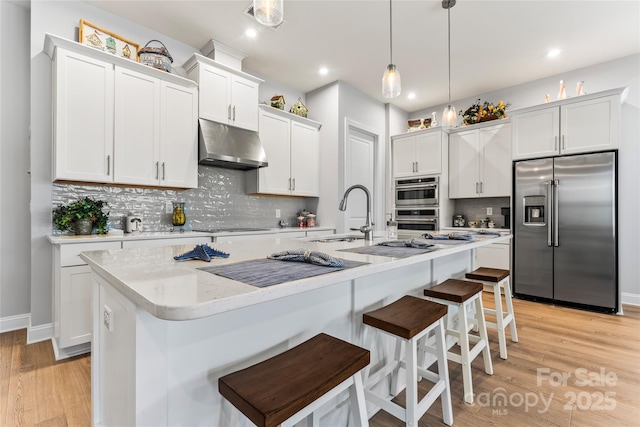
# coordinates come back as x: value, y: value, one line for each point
x: 476, y: 209
x: 219, y: 201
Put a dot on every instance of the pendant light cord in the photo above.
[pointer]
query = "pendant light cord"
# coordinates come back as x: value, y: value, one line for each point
x: 449, y: 47
x: 390, y: 34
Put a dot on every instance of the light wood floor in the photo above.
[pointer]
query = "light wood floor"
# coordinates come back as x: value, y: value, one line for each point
x: 599, y: 355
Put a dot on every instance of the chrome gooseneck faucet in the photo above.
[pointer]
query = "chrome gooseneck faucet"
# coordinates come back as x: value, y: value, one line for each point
x: 366, y: 229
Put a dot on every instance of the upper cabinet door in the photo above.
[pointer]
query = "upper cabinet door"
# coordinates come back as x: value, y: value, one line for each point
x: 591, y: 125
x: 244, y: 108
x: 404, y: 162
x: 178, y: 136
x: 428, y: 155
x: 215, y: 93
x: 535, y: 133
x: 495, y: 165
x: 83, y: 118
x: 464, y: 172
x: 276, y: 139
x: 137, y: 128
x: 305, y: 160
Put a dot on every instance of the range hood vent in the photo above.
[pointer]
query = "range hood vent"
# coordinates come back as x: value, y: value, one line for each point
x: 229, y: 147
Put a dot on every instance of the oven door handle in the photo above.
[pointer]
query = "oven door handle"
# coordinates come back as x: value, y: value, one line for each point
x: 414, y: 187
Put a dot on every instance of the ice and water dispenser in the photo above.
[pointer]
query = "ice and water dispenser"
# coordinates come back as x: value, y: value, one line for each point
x: 534, y: 211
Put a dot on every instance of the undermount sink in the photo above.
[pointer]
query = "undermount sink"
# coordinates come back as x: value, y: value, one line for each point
x: 337, y: 239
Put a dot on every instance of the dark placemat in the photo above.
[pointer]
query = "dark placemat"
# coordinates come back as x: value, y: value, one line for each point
x: 268, y: 272
x: 390, y: 251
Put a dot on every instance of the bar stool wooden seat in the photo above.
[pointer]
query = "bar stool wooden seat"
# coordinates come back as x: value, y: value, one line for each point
x: 289, y: 387
x: 409, y: 320
x: 496, y: 278
x: 463, y: 294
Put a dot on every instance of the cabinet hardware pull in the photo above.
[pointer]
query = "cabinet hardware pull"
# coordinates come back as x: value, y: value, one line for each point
x: 109, y: 165
x: 563, y: 142
x: 163, y: 171
x: 157, y: 169
x: 289, y: 183
x: 229, y: 112
x: 294, y: 184
x: 476, y: 188
x: 417, y: 167
x: 481, y: 187
x: 555, y: 143
x: 234, y: 113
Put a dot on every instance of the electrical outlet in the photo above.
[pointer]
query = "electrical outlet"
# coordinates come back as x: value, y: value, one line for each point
x: 489, y: 211
x: 168, y: 207
x: 277, y: 213
x: 107, y: 318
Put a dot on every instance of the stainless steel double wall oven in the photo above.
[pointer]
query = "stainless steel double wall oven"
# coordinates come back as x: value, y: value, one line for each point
x: 416, y: 202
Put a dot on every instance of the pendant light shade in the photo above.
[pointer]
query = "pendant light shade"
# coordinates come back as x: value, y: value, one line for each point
x: 449, y: 115
x: 391, y: 78
x: 268, y: 12
x: 391, y: 82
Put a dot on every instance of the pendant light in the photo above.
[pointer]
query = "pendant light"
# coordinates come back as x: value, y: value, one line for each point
x: 268, y: 12
x: 391, y: 77
x: 449, y: 115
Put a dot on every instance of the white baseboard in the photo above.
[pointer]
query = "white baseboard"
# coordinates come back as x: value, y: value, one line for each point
x: 39, y: 333
x: 631, y: 299
x: 13, y: 323
x: 64, y: 353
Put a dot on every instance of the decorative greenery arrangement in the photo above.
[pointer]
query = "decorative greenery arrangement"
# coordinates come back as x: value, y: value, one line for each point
x: 64, y: 216
x: 483, y: 112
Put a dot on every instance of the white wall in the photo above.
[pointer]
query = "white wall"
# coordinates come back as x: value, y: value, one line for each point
x: 14, y: 165
x: 613, y: 74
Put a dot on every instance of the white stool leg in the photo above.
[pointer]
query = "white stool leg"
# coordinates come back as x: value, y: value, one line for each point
x: 412, y: 383
x: 500, y: 321
x: 463, y: 341
x: 509, y: 301
x: 443, y: 373
x: 358, y: 403
x: 486, y: 354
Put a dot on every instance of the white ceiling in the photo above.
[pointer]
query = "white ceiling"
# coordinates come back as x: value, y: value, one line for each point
x: 494, y: 44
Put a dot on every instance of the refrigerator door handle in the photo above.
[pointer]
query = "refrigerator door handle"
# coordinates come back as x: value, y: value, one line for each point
x: 551, y: 219
x: 556, y: 237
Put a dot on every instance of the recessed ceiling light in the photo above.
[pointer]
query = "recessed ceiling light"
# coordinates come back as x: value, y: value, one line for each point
x: 251, y: 32
x: 411, y: 95
x: 323, y: 71
x: 553, y: 53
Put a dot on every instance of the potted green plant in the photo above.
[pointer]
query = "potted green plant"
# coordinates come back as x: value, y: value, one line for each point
x: 82, y: 216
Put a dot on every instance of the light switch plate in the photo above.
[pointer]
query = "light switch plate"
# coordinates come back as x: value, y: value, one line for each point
x: 107, y: 318
x: 168, y: 207
x: 489, y: 211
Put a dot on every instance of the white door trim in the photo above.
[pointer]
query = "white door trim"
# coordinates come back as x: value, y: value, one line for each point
x: 378, y: 192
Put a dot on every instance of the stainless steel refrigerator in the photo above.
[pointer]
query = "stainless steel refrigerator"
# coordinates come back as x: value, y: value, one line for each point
x: 565, y: 243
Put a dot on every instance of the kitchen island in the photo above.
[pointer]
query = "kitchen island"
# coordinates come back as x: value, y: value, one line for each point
x: 165, y: 331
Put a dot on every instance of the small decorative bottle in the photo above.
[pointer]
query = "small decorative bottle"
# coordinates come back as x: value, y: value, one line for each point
x: 562, y: 93
x: 580, y: 88
x: 434, y: 122
x: 178, y: 217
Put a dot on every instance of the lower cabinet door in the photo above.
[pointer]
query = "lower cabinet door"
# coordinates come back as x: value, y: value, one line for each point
x: 76, y: 321
x: 493, y: 256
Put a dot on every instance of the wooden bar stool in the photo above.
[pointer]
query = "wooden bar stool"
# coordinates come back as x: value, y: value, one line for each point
x: 463, y: 294
x: 410, y: 320
x: 496, y: 278
x: 289, y: 387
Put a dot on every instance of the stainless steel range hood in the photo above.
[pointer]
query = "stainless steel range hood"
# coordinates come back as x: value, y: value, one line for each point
x: 229, y: 147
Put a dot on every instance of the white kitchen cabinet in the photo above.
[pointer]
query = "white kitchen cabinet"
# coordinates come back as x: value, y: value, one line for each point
x: 419, y: 153
x: 72, y: 296
x: 480, y: 162
x: 292, y: 146
x: 155, y: 132
x: 83, y: 90
x: 226, y: 95
x: 496, y: 255
x: 582, y: 124
x: 118, y: 121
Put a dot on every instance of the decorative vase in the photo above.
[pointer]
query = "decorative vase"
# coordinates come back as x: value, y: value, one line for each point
x: 83, y: 226
x: 178, y: 218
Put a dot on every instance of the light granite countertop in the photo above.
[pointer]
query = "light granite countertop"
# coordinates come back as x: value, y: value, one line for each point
x: 174, y: 290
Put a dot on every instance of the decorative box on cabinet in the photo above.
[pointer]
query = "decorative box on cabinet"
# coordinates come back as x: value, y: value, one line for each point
x: 480, y: 161
x: 417, y: 153
x: 583, y: 124
x: 227, y: 95
x: 72, y: 296
x: 142, y: 127
x: 292, y: 146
